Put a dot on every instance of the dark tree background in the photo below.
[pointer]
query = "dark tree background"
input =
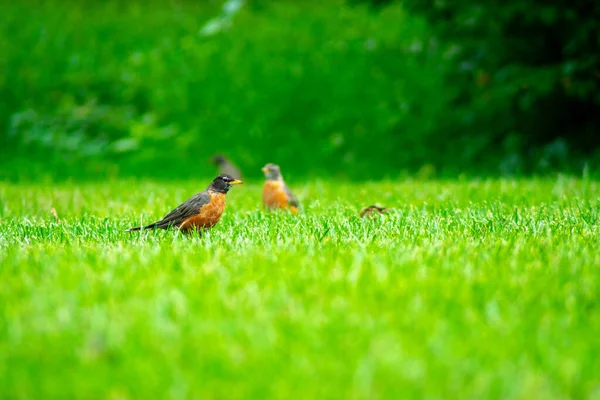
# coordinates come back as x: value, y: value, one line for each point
x: 354, y: 89
x: 525, y: 77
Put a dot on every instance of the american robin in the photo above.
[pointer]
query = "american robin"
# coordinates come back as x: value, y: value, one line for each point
x: 225, y: 166
x: 202, y: 211
x: 276, y: 194
x: 373, y: 209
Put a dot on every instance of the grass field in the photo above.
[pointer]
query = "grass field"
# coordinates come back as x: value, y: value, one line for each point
x: 475, y: 289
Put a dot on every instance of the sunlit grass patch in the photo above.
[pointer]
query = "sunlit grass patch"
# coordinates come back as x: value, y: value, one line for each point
x: 465, y: 289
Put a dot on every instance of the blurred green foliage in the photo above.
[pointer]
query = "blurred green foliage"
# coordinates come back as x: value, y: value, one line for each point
x: 525, y: 77
x: 116, y: 88
x: 137, y: 88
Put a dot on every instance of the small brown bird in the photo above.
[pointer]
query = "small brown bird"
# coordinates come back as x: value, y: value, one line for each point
x: 276, y: 194
x: 225, y: 166
x: 373, y: 209
x: 202, y: 211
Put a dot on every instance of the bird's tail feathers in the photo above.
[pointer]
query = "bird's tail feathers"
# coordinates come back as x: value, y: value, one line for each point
x: 141, y: 228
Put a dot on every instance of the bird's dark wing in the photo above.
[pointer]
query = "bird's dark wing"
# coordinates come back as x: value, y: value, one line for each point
x: 188, y: 209
x: 292, y: 200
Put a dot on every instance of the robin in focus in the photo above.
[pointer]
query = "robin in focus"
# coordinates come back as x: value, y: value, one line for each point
x: 373, y: 209
x: 276, y: 194
x: 225, y: 166
x: 202, y: 211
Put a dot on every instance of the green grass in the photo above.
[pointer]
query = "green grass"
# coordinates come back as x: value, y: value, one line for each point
x: 476, y: 289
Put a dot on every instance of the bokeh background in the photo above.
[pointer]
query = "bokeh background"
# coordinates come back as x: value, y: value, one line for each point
x: 338, y: 88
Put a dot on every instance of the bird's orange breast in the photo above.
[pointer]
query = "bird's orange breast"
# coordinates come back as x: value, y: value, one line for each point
x: 274, y: 195
x: 209, y: 214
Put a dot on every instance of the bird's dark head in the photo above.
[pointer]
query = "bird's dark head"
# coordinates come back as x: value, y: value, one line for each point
x: 223, y: 183
x: 272, y: 172
x: 218, y: 159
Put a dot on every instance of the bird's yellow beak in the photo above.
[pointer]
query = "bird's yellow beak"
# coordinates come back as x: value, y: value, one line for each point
x: 236, y: 182
x: 265, y: 169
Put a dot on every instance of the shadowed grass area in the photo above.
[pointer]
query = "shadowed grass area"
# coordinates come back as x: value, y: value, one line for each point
x: 482, y: 289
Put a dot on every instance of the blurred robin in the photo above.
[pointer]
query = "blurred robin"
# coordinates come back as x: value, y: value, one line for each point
x: 202, y: 211
x: 225, y: 166
x: 373, y: 209
x: 276, y: 194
